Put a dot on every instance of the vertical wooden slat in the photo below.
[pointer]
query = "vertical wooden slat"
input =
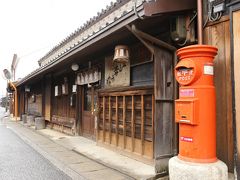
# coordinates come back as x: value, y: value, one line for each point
x: 68, y: 103
x: 110, y: 120
x: 142, y: 124
x: 153, y: 133
x: 92, y: 121
x: 236, y: 55
x: 163, y: 89
x: 219, y: 36
x: 79, y: 111
x: 220, y: 83
x: 103, y: 118
x: 81, y: 108
x: 98, y: 118
x: 117, y: 121
x: 175, y: 96
x: 92, y: 99
x: 229, y: 97
x: 133, y: 123
x: 43, y: 98
x: 124, y: 122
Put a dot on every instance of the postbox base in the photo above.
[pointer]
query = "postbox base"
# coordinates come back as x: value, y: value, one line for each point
x: 183, y: 170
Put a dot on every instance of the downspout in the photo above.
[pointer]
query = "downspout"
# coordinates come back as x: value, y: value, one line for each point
x: 15, y: 100
x: 200, y: 21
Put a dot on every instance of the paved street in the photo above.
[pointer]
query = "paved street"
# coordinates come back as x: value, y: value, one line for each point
x: 19, y: 161
x: 28, y: 154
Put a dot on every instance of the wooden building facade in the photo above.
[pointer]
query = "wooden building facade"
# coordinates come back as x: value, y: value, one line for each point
x: 129, y: 107
x: 234, y: 15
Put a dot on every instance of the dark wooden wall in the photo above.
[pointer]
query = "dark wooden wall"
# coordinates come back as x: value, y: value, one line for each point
x: 62, y: 112
x: 34, y: 99
x: 126, y: 114
x: 218, y: 34
x: 164, y: 91
x: 21, y: 102
x: 47, y: 97
x: 236, y: 63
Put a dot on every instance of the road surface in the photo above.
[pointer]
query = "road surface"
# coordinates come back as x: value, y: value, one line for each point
x: 19, y: 161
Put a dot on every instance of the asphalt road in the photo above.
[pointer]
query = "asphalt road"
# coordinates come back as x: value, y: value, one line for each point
x: 19, y: 161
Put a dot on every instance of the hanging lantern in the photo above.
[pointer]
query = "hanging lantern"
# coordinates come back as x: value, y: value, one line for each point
x: 121, y: 54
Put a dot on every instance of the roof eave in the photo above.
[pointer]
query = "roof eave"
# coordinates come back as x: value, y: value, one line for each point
x: 120, y: 23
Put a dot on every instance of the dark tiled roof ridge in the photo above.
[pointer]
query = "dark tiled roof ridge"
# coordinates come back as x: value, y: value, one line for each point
x: 86, y: 25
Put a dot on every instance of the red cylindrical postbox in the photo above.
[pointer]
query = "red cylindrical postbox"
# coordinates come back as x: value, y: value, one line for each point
x: 195, y: 110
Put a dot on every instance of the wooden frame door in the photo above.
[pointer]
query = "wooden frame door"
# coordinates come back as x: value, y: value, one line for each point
x: 47, y: 98
x: 88, y: 123
x: 126, y: 121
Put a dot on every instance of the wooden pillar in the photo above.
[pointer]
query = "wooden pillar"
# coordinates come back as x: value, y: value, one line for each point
x: 104, y: 118
x: 43, y: 92
x: 142, y: 124
x: 117, y: 122
x: 79, y: 107
x: 110, y: 120
x: 164, y: 108
x: 133, y: 123
x: 124, y: 122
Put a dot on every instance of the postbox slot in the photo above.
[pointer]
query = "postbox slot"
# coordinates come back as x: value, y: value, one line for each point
x: 187, y: 111
x: 185, y: 72
x: 183, y: 68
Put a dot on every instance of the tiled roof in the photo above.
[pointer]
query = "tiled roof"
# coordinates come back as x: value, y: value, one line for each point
x: 100, y: 15
x: 88, y: 31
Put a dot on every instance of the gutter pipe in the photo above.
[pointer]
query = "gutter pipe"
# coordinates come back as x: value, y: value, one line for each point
x: 15, y: 100
x: 200, y: 21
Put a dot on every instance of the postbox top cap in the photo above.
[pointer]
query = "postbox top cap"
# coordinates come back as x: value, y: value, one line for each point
x: 197, y: 51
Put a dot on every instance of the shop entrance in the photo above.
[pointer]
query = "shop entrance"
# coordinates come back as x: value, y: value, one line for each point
x: 88, y: 104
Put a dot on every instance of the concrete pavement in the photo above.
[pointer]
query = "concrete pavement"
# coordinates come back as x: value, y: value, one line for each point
x: 71, y: 163
x: 110, y: 158
x: 18, y: 161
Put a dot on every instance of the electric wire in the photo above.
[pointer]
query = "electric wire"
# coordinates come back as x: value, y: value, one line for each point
x: 135, y: 10
x: 212, y: 17
x: 187, y: 29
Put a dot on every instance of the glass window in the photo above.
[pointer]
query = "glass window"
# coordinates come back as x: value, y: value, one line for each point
x: 87, y: 98
x: 142, y: 74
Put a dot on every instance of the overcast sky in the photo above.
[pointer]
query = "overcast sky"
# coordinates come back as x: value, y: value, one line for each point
x: 30, y: 28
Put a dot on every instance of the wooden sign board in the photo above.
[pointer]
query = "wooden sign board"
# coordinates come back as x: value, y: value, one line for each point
x: 116, y: 74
